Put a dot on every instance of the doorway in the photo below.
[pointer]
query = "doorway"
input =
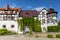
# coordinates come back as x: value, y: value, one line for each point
x: 44, y: 29
x: 26, y: 29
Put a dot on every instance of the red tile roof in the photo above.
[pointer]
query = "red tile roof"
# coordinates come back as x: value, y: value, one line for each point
x: 7, y: 8
x: 28, y: 13
x: 11, y: 9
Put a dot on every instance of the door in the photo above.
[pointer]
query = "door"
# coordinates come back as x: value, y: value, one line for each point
x: 26, y: 29
x: 44, y: 29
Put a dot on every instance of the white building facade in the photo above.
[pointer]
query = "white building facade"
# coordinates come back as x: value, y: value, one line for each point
x: 47, y: 18
x: 8, y: 18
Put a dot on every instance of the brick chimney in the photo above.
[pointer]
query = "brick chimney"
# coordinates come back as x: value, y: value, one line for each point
x: 7, y: 6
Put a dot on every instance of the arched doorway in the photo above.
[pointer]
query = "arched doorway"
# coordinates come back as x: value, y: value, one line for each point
x: 26, y: 29
x: 44, y: 29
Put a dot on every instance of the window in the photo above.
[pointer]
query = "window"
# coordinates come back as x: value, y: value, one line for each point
x: 14, y: 12
x: 4, y: 18
x: 49, y: 20
x: 54, y: 21
x: 43, y: 20
x: 44, y: 29
x: 12, y: 18
x: 0, y: 17
x: 43, y: 14
x: 27, y: 13
x: 4, y: 26
x: 8, y: 17
x: 12, y: 26
x: 54, y: 15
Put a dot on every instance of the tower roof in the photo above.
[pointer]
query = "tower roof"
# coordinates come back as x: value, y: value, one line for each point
x: 51, y: 10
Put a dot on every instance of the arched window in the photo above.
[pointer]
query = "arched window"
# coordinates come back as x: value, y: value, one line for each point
x: 44, y: 29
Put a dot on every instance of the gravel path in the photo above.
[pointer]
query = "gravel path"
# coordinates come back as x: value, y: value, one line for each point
x: 23, y: 37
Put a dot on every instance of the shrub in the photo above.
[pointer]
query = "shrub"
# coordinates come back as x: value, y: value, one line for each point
x: 58, y: 28
x: 30, y: 32
x: 37, y: 29
x: 52, y: 29
x: 6, y: 32
x: 50, y: 36
x: 57, y: 35
x: 3, y: 31
x: 11, y: 33
x: 36, y: 36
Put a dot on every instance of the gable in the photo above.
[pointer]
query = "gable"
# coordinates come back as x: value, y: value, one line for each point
x: 44, y: 10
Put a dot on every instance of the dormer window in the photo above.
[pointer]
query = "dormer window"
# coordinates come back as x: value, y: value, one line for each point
x: 43, y: 12
x: 13, y: 11
x: 1, y: 11
x: 27, y: 13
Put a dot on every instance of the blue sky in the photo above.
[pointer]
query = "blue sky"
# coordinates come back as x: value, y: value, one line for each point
x: 33, y: 4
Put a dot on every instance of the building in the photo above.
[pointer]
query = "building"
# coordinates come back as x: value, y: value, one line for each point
x: 9, y: 16
x: 27, y: 14
x: 47, y: 18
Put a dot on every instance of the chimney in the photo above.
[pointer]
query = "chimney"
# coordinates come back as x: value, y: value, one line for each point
x: 7, y: 6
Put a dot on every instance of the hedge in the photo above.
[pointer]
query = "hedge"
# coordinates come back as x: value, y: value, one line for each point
x: 50, y: 36
x: 52, y: 29
x: 57, y: 35
x: 3, y: 31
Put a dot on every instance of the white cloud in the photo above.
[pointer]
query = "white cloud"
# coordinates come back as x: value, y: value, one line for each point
x: 13, y: 5
x: 29, y: 6
x: 38, y: 8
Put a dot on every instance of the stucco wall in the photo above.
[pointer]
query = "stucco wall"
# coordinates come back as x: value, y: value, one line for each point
x: 8, y: 25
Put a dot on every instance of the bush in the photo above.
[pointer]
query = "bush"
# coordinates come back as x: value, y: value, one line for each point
x: 3, y: 31
x: 58, y: 28
x: 37, y: 29
x: 6, y: 32
x: 36, y: 36
x: 57, y: 35
x: 50, y: 36
x: 11, y: 33
x: 30, y: 32
x: 52, y: 29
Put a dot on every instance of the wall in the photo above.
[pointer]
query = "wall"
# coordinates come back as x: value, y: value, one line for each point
x: 8, y: 25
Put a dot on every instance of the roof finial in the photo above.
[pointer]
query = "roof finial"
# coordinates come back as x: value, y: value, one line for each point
x: 50, y: 6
